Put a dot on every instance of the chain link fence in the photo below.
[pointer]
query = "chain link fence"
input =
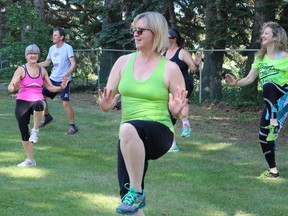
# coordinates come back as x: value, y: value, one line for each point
x: 94, y: 65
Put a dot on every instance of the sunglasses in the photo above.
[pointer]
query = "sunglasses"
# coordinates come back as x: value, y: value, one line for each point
x: 171, y: 37
x: 139, y: 31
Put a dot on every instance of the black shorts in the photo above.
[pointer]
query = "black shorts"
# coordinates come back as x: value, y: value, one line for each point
x: 157, y: 139
x: 65, y: 93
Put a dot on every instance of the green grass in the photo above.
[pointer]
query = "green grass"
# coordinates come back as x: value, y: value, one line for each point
x: 214, y: 174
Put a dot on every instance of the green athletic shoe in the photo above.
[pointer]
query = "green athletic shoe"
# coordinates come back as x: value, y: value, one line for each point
x: 268, y: 175
x: 273, y: 132
x: 174, y: 149
x: 131, y: 202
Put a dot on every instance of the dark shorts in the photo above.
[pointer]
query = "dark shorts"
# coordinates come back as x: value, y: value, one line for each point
x: 157, y: 139
x: 65, y: 93
x: 23, y: 111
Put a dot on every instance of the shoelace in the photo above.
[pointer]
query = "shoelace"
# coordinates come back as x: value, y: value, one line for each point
x: 131, y: 196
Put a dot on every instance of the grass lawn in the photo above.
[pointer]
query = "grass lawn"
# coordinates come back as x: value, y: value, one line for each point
x: 214, y: 174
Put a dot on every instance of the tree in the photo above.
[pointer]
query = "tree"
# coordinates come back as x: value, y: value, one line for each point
x: 215, y: 22
x: 23, y: 28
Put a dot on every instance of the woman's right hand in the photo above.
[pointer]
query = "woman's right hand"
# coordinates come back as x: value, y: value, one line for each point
x: 14, y: 86
x: 230, y: 80
x: 105, y: 101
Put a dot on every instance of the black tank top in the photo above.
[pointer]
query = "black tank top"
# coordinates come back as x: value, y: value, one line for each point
x: 182, y: 65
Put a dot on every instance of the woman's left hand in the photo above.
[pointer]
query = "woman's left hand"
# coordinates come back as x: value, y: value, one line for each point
x: 198, y: 59
x: 177, y: 102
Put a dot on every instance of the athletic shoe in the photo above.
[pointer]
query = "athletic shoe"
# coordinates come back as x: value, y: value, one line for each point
x: 174, y: 148
x: 268, y: 175
x: 27, y: 163
x: 273, y: 132
x: 46, y: 119
x: 131, y: 202
x: 34, y: 135
x: 72, y: 130
x: 186, y: 130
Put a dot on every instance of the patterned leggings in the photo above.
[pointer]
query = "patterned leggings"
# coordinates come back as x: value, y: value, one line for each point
x: 271, y: 93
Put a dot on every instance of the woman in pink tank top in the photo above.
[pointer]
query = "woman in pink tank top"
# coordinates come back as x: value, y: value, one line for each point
x: 28, y: 80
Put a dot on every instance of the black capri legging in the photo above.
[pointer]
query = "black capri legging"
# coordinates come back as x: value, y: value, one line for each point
x: 23, y: 111
x: 157, y: 139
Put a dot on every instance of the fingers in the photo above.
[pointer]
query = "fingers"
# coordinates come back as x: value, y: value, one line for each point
x: 228, y: 78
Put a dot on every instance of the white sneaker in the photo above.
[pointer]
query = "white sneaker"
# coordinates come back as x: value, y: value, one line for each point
x: 34, y: 135
x: 27, y: 163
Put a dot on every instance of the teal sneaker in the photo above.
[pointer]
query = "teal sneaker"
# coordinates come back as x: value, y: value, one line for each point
x: 131, y: 202
x: 268, y: 175
x: 186, y: 130
x: 174, y: 149
x: 273, y: 132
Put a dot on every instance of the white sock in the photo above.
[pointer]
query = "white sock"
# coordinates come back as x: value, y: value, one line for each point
x: 173, y: 144
x: 185, y: 121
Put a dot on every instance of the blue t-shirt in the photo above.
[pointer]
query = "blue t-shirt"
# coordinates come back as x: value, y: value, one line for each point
x: 60, y: 58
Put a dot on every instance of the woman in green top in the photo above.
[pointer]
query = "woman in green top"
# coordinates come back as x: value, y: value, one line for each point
x: 271, y: 65
x: 146, y: 81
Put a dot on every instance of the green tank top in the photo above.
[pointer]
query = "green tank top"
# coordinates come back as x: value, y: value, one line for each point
x: 145, y: 100
x: 272, y: 70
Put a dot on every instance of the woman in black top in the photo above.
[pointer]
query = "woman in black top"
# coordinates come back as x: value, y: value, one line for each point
x: 183, y: 59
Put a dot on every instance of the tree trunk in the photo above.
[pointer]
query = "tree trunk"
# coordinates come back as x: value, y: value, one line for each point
x: 39, y: 7
x: 212, y: 71
x: 173, y: 20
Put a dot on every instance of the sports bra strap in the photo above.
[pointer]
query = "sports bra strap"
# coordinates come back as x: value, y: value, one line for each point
x: 278, y: 55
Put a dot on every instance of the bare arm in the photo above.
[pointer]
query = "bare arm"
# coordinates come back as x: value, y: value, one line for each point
x: 15, y: 81
x: 175, y: 83
x: 45, y: 63
x: 187, y: 58
x: 250, y: 78
x: 72, y: 66
x: 48, y: 84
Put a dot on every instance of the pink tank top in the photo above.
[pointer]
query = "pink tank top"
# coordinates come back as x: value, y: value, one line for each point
x: 31, y: 87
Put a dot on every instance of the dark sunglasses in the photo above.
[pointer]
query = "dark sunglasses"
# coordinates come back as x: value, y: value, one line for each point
x: 139, y: 31
x: 171, y: 37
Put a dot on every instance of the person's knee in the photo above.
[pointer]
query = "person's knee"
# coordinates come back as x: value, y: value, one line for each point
x: 39, y: 106
x: 127, y: 131
x: 65, y: 103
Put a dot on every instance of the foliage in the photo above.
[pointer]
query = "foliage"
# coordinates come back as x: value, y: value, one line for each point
x: 106, y: 24
x: 23, y: 28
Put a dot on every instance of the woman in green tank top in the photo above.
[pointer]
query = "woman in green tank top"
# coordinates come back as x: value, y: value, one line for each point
x: 148, y: 83
x: 271, y: 66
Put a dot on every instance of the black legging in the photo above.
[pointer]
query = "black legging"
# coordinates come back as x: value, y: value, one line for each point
x: 271, y: 93
x: 157, y: 140
x: 23, y: 111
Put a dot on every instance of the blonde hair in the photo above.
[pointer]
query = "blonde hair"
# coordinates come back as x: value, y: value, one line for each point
x: 32, y: 48
x: 278, y: 33
x: 158, y: 25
